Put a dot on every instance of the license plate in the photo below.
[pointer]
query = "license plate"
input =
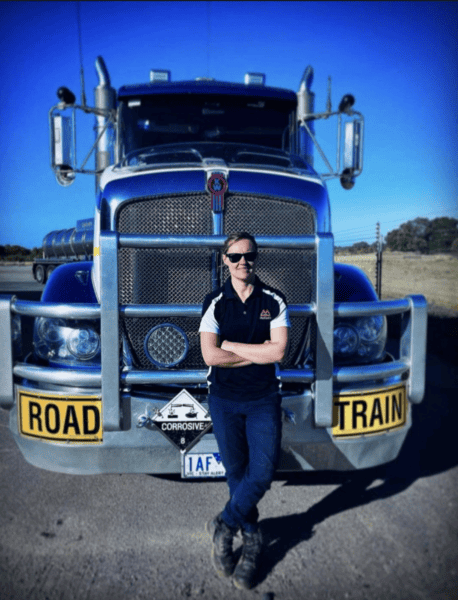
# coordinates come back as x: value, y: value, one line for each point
x: 57, y: 418
x: 369, y: 412
x: 202, y: 465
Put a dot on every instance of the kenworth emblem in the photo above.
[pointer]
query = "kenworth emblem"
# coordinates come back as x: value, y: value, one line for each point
x: 217, y: 186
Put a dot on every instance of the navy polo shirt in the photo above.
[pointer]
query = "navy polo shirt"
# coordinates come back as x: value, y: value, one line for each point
x: 249, y: 322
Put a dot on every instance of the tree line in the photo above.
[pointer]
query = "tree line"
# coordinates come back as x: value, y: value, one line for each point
x: 419, y: 235
x: 425, y: 236
x: 19, y: 253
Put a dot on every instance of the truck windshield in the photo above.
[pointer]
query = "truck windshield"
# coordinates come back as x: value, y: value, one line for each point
x: 148, y: 121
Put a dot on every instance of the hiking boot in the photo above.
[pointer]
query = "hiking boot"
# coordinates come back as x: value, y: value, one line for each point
x: 245, y: 571
x: 222, y: 537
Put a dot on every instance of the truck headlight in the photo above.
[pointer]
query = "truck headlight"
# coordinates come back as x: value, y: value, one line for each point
x: 63, y: 341
x: 346, y: 339
x: 51, y: 330
x: 84, y: 344
x: 370, y: 328
x: 360, y: 339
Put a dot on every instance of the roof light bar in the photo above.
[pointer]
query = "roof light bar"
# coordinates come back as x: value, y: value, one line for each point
x: 156, y: 75
x: 255, y: 79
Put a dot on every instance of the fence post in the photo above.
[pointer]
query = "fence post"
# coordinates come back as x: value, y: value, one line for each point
x: 378, y: 265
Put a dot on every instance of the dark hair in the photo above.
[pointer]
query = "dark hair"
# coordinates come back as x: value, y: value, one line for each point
x: 235, y: 237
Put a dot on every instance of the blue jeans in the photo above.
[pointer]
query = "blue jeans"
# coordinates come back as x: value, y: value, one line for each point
x: 249, y: 439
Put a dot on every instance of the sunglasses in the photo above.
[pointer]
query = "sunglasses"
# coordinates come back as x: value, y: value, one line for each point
x: 235, y: 257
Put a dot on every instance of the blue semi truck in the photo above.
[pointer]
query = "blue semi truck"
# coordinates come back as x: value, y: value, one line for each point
x: 116, y: 381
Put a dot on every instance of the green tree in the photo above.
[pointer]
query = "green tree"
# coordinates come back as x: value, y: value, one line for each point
x: 444, y: 231
x: 423, y: 235
x: 412, y: 236
x: 361, y: 248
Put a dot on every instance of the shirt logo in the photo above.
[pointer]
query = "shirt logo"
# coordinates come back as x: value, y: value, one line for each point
x: 265, y: 314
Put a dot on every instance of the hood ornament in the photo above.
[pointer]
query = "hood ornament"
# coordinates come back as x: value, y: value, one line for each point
x: 217, y: 186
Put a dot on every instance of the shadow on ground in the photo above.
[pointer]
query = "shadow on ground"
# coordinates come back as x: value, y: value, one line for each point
x: 430, y: 448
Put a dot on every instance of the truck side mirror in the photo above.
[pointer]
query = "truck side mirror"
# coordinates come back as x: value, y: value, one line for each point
x: 66, y: 96
x: 353, y: 153
x: 347, y: 181
x: 346, y: 104
x: 63, y: 148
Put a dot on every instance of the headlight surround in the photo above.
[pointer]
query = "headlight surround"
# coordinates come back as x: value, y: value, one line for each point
x: 360, y: 339
x: 16, y: 334
x: 66, y: 342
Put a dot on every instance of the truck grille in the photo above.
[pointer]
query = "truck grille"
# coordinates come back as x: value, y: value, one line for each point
x: 183, y: 276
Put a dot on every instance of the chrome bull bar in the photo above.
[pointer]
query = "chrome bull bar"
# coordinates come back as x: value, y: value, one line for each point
x: 110, y: 378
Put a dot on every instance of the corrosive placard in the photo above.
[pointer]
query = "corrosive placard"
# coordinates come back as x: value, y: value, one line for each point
x: 183, y: 421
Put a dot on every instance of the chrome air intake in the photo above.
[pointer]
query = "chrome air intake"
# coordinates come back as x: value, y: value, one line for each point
x: 184, y: 276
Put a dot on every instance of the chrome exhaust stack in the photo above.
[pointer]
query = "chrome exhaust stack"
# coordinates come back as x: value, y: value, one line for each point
x: 105, y: 100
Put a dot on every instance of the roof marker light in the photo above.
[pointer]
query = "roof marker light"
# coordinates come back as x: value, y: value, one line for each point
x: 255, y: 79
x: 156, y: 75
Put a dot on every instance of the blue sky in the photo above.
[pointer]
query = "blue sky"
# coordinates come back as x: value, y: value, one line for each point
x: 399, y: 59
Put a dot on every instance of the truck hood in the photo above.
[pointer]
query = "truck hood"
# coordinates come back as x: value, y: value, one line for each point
x: 125, y: 182
x: 210, y: 155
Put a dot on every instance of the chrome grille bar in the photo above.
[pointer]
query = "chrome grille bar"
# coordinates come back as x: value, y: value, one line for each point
x: 55, y: 310
x: 109, y: 330
x: 93, y: 377
x: 6, y: 352
x: 324, y: 298
x: 130, y: 240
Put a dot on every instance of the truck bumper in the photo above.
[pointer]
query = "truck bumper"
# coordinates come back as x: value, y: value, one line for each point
x: 136, y: 449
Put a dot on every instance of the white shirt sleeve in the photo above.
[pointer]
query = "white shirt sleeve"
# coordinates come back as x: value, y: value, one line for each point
x: 282, y: 320
x: 208, y: 322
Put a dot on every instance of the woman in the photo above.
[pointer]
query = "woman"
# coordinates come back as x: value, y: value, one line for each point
x: 244, y: 332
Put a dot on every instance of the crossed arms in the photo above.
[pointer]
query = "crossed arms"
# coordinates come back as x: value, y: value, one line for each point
x: 236, y: 354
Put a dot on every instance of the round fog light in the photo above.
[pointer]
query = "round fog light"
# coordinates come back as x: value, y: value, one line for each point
x: 166, y: 345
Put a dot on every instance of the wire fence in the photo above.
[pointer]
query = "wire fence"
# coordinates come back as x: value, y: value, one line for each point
x: 401, y: 273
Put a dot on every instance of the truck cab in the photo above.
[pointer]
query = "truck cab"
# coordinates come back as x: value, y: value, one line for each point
x: 116, y: 381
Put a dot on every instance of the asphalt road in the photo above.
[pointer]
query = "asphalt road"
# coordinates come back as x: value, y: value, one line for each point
x: 385, y: 533
x: 18, y: 278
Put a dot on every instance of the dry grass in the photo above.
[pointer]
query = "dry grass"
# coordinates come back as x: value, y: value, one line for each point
x: 436, y: 276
